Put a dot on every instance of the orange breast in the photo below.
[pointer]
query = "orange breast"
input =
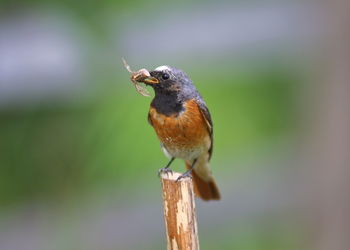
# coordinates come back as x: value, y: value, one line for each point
x: 185, y: 130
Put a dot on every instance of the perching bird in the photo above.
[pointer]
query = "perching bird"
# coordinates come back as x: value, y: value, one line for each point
x: 184, y: 127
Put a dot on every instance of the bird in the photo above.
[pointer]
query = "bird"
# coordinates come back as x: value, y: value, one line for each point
x: 184, y: 127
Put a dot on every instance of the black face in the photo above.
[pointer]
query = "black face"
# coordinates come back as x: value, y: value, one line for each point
x: 168, y: 81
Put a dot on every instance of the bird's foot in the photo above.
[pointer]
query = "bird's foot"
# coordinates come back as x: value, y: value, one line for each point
x: 165, y: 170
x: 188, y: 173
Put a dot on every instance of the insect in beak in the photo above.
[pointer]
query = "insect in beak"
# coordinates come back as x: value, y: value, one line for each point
x: 137, y: 77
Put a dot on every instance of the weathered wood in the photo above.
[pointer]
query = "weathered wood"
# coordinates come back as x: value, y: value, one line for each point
x: 179, y: 212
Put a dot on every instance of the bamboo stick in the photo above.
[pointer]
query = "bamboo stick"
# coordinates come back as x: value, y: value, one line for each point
x: 179, y: 212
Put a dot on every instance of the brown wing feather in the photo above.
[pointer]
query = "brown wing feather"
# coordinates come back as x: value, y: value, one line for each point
x: 207, y: 117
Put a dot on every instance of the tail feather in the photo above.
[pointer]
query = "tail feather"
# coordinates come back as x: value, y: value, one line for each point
x: 203, y: 181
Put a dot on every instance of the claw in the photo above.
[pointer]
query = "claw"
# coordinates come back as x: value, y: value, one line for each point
x: 164, y: 170
x: 184, y: 175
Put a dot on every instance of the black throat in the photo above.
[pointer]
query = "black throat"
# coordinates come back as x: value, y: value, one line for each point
x: 167, y: 103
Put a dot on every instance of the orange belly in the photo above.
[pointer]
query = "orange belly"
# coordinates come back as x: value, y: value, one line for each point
x: 184, y: 135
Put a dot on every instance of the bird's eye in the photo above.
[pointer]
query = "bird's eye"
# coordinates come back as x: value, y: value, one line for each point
x: 165, y: 76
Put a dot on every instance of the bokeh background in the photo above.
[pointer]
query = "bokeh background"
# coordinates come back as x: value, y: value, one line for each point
x: 78, y: 160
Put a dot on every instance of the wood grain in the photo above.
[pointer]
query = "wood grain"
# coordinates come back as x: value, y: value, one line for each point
x: 179, y: 212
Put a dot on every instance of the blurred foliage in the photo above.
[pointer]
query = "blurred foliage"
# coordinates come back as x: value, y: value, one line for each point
x: 48, y: 151
x: 52, y: 152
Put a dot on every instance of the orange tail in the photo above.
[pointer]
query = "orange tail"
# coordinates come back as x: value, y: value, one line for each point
x: 203, y: 181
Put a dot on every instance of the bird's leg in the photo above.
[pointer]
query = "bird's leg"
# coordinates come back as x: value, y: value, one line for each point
x: 188, y: 172
x: 166, y: 169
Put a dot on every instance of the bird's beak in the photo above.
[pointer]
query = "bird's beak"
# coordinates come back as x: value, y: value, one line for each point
x: 151, y: 80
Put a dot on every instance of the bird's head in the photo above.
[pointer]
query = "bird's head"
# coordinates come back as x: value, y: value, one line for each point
x: 169, y: 80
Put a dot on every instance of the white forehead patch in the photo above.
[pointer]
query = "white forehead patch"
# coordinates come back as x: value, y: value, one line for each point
x: 161, y: 68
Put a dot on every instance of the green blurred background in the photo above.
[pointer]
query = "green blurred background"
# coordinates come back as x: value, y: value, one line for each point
x: 78, y: 159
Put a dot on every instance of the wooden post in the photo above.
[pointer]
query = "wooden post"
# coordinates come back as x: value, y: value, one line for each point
x: 179, y: 212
